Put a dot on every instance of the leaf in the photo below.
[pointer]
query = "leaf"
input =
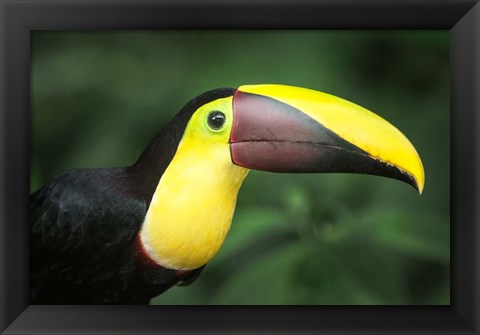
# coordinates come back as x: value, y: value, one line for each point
x: 248, y: 225
x: 420, y: 235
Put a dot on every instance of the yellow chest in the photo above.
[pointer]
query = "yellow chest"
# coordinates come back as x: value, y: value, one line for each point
x: 192, y: 208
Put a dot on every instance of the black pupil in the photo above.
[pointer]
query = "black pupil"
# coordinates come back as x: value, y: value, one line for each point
x: 216, y: 120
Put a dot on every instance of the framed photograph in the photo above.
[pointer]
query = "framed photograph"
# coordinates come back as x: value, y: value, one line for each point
x: 88, y: 85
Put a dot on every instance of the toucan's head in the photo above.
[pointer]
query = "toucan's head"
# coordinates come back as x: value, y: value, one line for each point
x: 281, y: 128
x: 278, y: 128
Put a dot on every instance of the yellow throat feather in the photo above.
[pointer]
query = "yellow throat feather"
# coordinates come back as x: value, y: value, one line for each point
x: 192, y: 208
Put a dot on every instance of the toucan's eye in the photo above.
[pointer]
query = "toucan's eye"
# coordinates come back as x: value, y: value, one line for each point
x: 216, y: 120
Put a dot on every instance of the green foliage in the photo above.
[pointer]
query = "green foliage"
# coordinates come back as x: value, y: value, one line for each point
x: 99, y: 97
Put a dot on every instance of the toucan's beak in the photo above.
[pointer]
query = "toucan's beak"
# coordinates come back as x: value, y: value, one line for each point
x: 291, y: 129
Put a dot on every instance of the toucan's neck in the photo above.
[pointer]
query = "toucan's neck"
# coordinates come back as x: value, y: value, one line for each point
x: 145, y: 174
x: 192, y: 208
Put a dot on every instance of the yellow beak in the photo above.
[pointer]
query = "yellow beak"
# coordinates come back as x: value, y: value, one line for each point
x: 283, y: 128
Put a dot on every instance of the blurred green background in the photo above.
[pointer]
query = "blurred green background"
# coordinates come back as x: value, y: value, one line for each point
x: 99, y: 97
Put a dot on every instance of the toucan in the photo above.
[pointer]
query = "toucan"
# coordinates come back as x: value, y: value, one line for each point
x: 125, y: 235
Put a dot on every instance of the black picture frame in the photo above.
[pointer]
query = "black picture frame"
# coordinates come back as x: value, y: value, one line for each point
x: 19, y: 17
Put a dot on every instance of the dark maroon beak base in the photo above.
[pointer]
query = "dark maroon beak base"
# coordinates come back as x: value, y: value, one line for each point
x: 270, y: 135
